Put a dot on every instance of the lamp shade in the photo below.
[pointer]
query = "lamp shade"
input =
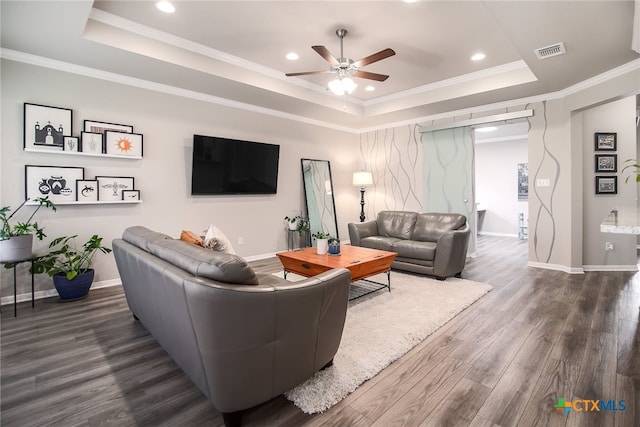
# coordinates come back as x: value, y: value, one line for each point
x: 362, y: 179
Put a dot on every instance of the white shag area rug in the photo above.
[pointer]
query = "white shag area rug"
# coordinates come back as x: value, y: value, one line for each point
x: 380, y: 328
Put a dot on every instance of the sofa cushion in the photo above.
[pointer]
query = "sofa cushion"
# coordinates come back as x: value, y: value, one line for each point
x: 141, y: 236
x: 203, y: 262
x: 217, y: 240
x: 396, y: 224
x: 191, y: 237
x: 378, y: 242
x: 415, y: 250
x: 430, y: 226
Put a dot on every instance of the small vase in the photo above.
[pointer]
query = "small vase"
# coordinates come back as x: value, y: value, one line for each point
x: 293, y: 225
x: 322, y: 246
x: 334, y: 248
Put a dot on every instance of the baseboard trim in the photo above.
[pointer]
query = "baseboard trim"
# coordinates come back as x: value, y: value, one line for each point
x: 632, y: 267
x: 259, y: 257
x: 491, y: 233
x: 556, y: 267
x: 52, y: 292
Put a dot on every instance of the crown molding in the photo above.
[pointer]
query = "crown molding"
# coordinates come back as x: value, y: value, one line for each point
x: 57, y: 65
x: 54, y: 64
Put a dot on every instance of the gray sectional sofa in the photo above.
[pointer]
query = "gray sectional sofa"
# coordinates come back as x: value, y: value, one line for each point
x: 241, y: 337
x: 427, y: 243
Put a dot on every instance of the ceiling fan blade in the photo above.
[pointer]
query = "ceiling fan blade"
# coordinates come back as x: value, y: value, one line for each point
x: 370, y: 76
x: 374, y: 58
x: 324, y: 52
x: 306, y: 73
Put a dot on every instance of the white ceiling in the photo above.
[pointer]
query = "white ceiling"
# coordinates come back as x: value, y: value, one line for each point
x: 233, y: 52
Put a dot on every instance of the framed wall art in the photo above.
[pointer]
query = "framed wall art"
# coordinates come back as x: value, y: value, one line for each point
x: 606, y: 162
x: 123, y: 143
x: 45, y: 127
x: 523, y: 181
x: 57, y: 182
x: 606, y: 185
x: 110, y: 188
x: 101, y: 127
x: 130, y: 195
x: 606, y: 141
x: 87, y: 190
x: 91, y: 142
x: 71, y: 144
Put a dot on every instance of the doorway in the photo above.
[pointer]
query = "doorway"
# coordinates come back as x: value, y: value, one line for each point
x: 501, y: 179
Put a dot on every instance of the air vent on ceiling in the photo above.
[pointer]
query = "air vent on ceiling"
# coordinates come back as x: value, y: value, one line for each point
x: 549, y: 51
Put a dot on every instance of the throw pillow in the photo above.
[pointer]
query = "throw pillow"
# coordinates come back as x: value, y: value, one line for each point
x: 216, y: 240
x: 191, y: 237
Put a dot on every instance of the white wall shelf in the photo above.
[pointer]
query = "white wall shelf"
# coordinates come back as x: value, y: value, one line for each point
x: 98, y: 202
x: 75, y: 153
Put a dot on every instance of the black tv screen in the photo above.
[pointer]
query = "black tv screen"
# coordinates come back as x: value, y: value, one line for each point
x: 231, y: 166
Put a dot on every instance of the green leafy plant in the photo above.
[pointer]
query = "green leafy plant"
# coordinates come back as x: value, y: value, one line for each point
x: 27, y: 227
x: 303, y: 222
x: 68, y: 259
x: 635, y: 169
x: 321, y: 235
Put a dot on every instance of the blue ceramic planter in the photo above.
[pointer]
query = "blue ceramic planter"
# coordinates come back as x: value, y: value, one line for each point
x: 78, y: 288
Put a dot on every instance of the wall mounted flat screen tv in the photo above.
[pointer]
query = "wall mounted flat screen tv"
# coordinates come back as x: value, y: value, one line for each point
x: 231, y: 166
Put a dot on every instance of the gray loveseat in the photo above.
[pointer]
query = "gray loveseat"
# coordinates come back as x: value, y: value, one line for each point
x: 428, y: 243
x: 241, y: 337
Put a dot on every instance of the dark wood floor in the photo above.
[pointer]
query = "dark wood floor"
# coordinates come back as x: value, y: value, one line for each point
x: 504, y: 361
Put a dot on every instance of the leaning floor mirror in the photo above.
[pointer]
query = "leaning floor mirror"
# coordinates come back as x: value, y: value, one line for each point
x: 318, y: 192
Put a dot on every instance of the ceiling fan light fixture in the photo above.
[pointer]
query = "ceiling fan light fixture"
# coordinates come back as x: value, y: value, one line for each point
x: 342, y: 85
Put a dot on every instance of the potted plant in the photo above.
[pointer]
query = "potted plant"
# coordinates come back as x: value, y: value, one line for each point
x: 297, y: 223
x: 322, y: 239
x: 70, y: 266
x: 334, y: 246
x: 16, y: 241
x: 292, y: 221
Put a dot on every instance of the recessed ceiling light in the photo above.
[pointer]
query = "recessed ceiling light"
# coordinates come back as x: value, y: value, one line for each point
x: 369, y: 88
x: 165, y: 6
x: 486, y: 129
x: 292, y: 56
x: 478, y: 57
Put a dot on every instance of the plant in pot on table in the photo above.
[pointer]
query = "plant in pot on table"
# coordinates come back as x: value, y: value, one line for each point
x: 322, y: 242
x: 16, y: 241
x: 297, y: 223
x: 70, y: 266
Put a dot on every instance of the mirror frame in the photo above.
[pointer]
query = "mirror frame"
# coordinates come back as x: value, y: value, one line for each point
x: 308, y: 191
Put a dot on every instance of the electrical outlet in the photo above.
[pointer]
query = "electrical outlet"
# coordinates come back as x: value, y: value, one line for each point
x: 608, y: 246
x: 241, y: 240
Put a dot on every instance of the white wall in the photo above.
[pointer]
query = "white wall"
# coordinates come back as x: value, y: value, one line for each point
x: 497, y: 185
x: 617, y: 116
x: 163, y: 175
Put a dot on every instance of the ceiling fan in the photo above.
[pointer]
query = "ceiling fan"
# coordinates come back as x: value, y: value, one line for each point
x: 345, y: 68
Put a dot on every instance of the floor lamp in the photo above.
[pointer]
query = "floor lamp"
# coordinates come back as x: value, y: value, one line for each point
x: 362, y: 179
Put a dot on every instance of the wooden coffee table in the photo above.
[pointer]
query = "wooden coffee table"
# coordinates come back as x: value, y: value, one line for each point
x: 362, y: 262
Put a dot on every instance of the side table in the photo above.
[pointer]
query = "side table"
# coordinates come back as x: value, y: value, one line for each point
x: 297, y: 239
x: 15, y: 283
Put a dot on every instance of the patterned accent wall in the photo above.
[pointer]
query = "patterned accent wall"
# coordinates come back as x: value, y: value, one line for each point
x: 394, y: 157
x: 411, y: 171
x: 541, y: 207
